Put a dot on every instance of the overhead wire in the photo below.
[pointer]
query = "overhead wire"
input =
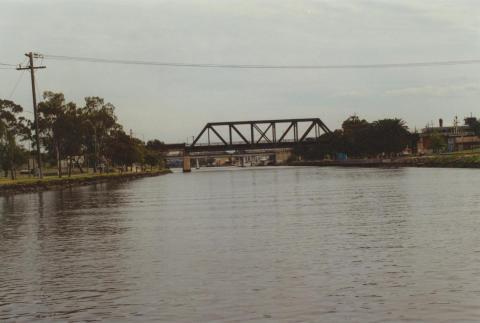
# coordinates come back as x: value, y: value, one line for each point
x: 6, y: 64
x: 260, y: 66
x: 12, y: 66
x: 12, y: 92
x: 16, y: 85
x: 36, y: 87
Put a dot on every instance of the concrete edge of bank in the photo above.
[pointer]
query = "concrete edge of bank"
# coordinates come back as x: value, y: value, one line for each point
x: 66, y: 182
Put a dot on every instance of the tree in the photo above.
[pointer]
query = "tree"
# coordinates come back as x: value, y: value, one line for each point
x: 12, y: 127
x: 100, y: 120
x: 68, y: 132
x: 353, y: 124
x: 156, y: 145
x: 122, y: 150
x: 12, y: 157
x: 437, y: 142
x: 389, y: 136
x: 154, y: 153
x: 74, y: 138
x: 329, y: 144
x: 357, y: 136
x: 152, y: 158
x: 414, y: 138
x: 58, y: 124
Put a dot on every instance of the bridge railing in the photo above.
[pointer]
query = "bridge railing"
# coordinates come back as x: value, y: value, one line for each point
x: 206, y: 144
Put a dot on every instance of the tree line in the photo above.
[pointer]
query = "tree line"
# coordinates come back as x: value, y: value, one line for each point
x: 72, y: 136
x: 359, y: 138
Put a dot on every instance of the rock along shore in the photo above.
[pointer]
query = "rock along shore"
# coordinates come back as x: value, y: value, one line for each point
x: 67, y: 182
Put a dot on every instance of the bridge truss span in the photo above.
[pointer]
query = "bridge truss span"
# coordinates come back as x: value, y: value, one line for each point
x: 259, y: 133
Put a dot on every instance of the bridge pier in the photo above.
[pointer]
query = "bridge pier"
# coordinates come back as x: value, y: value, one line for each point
x: 281, y: 157
x: 186, y: 164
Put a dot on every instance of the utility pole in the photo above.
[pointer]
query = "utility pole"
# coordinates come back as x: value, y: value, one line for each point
x: 32, y: 69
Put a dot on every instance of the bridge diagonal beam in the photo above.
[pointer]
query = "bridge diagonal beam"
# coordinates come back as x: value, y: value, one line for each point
x: 200, y: 135
x: 240, y: 134
x: 263, y: 133
x: 323, y: 126
x: 218, y: 135
x: 286, y: 132
x: 302, y: 138
x: 295, y: 131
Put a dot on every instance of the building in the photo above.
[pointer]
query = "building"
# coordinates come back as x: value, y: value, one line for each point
x: 456, y: 137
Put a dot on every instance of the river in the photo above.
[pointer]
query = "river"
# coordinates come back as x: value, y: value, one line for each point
x: 273, y: 244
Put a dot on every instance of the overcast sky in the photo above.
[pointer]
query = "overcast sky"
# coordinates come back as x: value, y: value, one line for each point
x: 173, y: 103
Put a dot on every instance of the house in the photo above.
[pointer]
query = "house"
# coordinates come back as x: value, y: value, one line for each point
x: 456, y: 137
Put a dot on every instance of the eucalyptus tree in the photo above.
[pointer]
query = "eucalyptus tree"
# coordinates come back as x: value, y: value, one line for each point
x: 154, y: 153
x: 61, y: 130
x: 100, y: 120
x: 12, y: 128
x: 74, y: 138
x: 123, y: 150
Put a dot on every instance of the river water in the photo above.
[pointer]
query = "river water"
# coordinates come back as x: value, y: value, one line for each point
x: 275, y: 244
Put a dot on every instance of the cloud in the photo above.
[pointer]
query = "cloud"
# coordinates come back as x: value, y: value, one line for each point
x: 171, y: 103
x: 436, y: 90
x: 352, y: 94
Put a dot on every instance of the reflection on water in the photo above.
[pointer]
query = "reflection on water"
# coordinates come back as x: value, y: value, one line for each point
x: 236, y: 245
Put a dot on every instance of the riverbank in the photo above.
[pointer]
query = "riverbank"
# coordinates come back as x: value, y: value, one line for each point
x: 54, y: 183
x: 445, y: 161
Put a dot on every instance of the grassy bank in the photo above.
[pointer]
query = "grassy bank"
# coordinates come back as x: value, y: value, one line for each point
x: 23, y: 185
x: 452, y: 160
x: 448, y: 160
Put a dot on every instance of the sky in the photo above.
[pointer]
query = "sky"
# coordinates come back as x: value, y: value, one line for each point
x: 172, y: 104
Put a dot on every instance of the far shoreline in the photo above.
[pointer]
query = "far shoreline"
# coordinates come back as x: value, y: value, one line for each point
x: 440, y: 161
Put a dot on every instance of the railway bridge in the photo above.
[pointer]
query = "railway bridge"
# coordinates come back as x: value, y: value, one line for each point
x: 255, y: 137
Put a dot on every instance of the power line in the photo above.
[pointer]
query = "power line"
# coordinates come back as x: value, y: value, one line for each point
x: 12, y: 66
x: 6, y: 64
x: 261, y: 66
x: 16, y: 85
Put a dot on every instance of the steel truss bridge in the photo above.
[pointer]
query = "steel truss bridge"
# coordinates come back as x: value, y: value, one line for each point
x: 256, y: 137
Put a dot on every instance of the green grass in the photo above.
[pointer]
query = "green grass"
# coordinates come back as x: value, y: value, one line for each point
x: 462, y: 153
x: 24, y: 179
x: 474, y: 158
x: 456, y: 159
